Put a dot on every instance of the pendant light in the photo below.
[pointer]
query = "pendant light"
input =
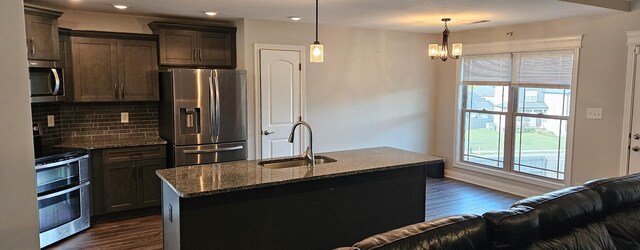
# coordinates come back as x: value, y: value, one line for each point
x: 316, y: 50
x: 441, y: 51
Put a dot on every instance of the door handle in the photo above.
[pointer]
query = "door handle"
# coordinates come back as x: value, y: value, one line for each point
x: 56, y: 78
x: 217, y: 103
x: 205, y: 151
x: 267, y: 132
x: 195, y: 55
x: 122, y: 93
x: 200, y: 56
x: 211, y: 109
x: 636, y: 136
x: 635, y: 149
x: 115, y: 89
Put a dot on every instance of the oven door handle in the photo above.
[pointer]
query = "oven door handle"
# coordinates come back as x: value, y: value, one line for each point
x: 60, y: 163
x: 66, y: 191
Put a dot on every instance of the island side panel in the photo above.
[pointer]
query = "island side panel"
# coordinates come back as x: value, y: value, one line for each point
x: 318, y: 214
x: 435, y: 170
x: 170, y: 217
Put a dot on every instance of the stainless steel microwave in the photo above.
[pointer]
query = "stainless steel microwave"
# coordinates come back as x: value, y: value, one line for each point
x: 46, y: 84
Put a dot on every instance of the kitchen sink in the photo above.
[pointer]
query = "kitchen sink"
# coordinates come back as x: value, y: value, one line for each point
x: 294, y: 162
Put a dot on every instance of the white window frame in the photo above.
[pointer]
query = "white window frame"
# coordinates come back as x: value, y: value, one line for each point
x: 532, y: 45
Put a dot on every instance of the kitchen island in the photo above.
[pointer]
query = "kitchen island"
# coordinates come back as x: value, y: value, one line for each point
x: 242, y: 205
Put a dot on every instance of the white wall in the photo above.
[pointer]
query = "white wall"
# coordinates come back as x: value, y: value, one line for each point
x: 19, y: 217
x: 601, y: 83
x: 375, y: 88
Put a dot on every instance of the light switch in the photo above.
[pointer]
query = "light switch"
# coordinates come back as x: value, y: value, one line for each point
x: 124, y: 117
x: 51, y: 121
x: 594, y: 113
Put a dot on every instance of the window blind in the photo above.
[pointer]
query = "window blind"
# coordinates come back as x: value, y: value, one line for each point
x: 495, y: 69
x: 548, y: 69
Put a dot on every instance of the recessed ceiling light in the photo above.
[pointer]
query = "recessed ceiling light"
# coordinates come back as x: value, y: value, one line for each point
x: 295, y: 18
x: 120, y: 6
x: 210, y: 13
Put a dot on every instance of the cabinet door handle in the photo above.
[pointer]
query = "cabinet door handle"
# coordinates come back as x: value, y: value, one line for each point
x: 115, y: 90
x: 200, y: 54
x: 195, y: 55
x: 33, y: 47
x: 122, y: 92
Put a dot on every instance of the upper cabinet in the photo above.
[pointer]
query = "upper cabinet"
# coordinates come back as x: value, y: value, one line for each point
x: 114, y: 67
x: 42, y: 33
x: 65, y: 62
x: 195, y: 45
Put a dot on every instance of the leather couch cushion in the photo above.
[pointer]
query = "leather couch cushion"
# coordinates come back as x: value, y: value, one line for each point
x: 624, y: 228
x: 511, y: 228
x: 561, y: 210
x: 617, y: 193
x: 592, y: 236
x: 454, y: 232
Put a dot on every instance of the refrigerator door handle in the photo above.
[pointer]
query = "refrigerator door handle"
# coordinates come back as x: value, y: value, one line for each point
x: 205, y: 151
x: 211, y: 109
x: 217, y: 101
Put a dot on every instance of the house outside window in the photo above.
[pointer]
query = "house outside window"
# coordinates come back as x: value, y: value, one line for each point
x: 515, y: 111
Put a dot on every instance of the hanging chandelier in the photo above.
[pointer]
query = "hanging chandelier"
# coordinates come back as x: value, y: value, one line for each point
x: 441, y: 51
x: 316, y: 50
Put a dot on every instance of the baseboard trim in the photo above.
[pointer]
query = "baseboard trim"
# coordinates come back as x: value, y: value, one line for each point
x: 500, y: 186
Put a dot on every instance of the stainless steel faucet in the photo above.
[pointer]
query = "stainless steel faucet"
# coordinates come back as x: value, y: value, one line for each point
x: 308, y: 153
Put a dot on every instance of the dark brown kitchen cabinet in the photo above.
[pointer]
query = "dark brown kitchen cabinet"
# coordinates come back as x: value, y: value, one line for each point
x: 215, y: 49
x: 138, y: 70
x: 120, y: 186
x: 149, y: 184
x: 65, y: 62
x: 106, y: 69
x: 124, y: 178
x: 41, y: 27
x: 178, y: 47
x: 95, y: 69
x: 195, y: 45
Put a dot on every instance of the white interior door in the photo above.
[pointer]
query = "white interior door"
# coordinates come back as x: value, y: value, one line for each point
x: 280, y: 95
x: 634, y: 153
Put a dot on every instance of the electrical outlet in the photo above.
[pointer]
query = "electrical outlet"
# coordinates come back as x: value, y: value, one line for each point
x: 51, y: 121
x: 124, y: 117
x: 594, y: 113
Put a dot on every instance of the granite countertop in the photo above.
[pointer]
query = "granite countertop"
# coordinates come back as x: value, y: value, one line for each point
x: 119, y: 143
x: 201, y: 180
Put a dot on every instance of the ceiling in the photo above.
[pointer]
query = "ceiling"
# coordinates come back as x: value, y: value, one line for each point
x: 401, y: 15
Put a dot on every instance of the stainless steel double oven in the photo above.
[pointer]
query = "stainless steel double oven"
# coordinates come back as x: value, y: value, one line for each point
x: 63, y: 194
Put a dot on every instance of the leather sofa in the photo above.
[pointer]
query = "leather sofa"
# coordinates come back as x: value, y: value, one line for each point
x: 600, y: 214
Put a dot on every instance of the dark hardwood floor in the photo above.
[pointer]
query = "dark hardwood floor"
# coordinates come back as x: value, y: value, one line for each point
x: 138, y: 233
x: 444, y: 197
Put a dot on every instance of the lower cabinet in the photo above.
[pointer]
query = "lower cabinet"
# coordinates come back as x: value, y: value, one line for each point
x: 124, y: 178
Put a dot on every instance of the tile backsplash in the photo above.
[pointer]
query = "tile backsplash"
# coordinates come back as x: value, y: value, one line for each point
x: 78, y: 122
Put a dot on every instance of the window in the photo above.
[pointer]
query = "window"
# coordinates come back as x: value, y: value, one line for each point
x: 515, y: 111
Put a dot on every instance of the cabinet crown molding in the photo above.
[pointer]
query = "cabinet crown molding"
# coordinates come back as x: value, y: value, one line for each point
x: 109, y: 35
x: 41, y: 11
x: 215, y: 27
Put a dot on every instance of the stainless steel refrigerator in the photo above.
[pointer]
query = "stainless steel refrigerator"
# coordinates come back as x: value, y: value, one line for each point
x: 203, y: 115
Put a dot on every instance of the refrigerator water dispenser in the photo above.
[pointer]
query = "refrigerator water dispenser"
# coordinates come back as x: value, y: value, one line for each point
x: 190, y: 118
